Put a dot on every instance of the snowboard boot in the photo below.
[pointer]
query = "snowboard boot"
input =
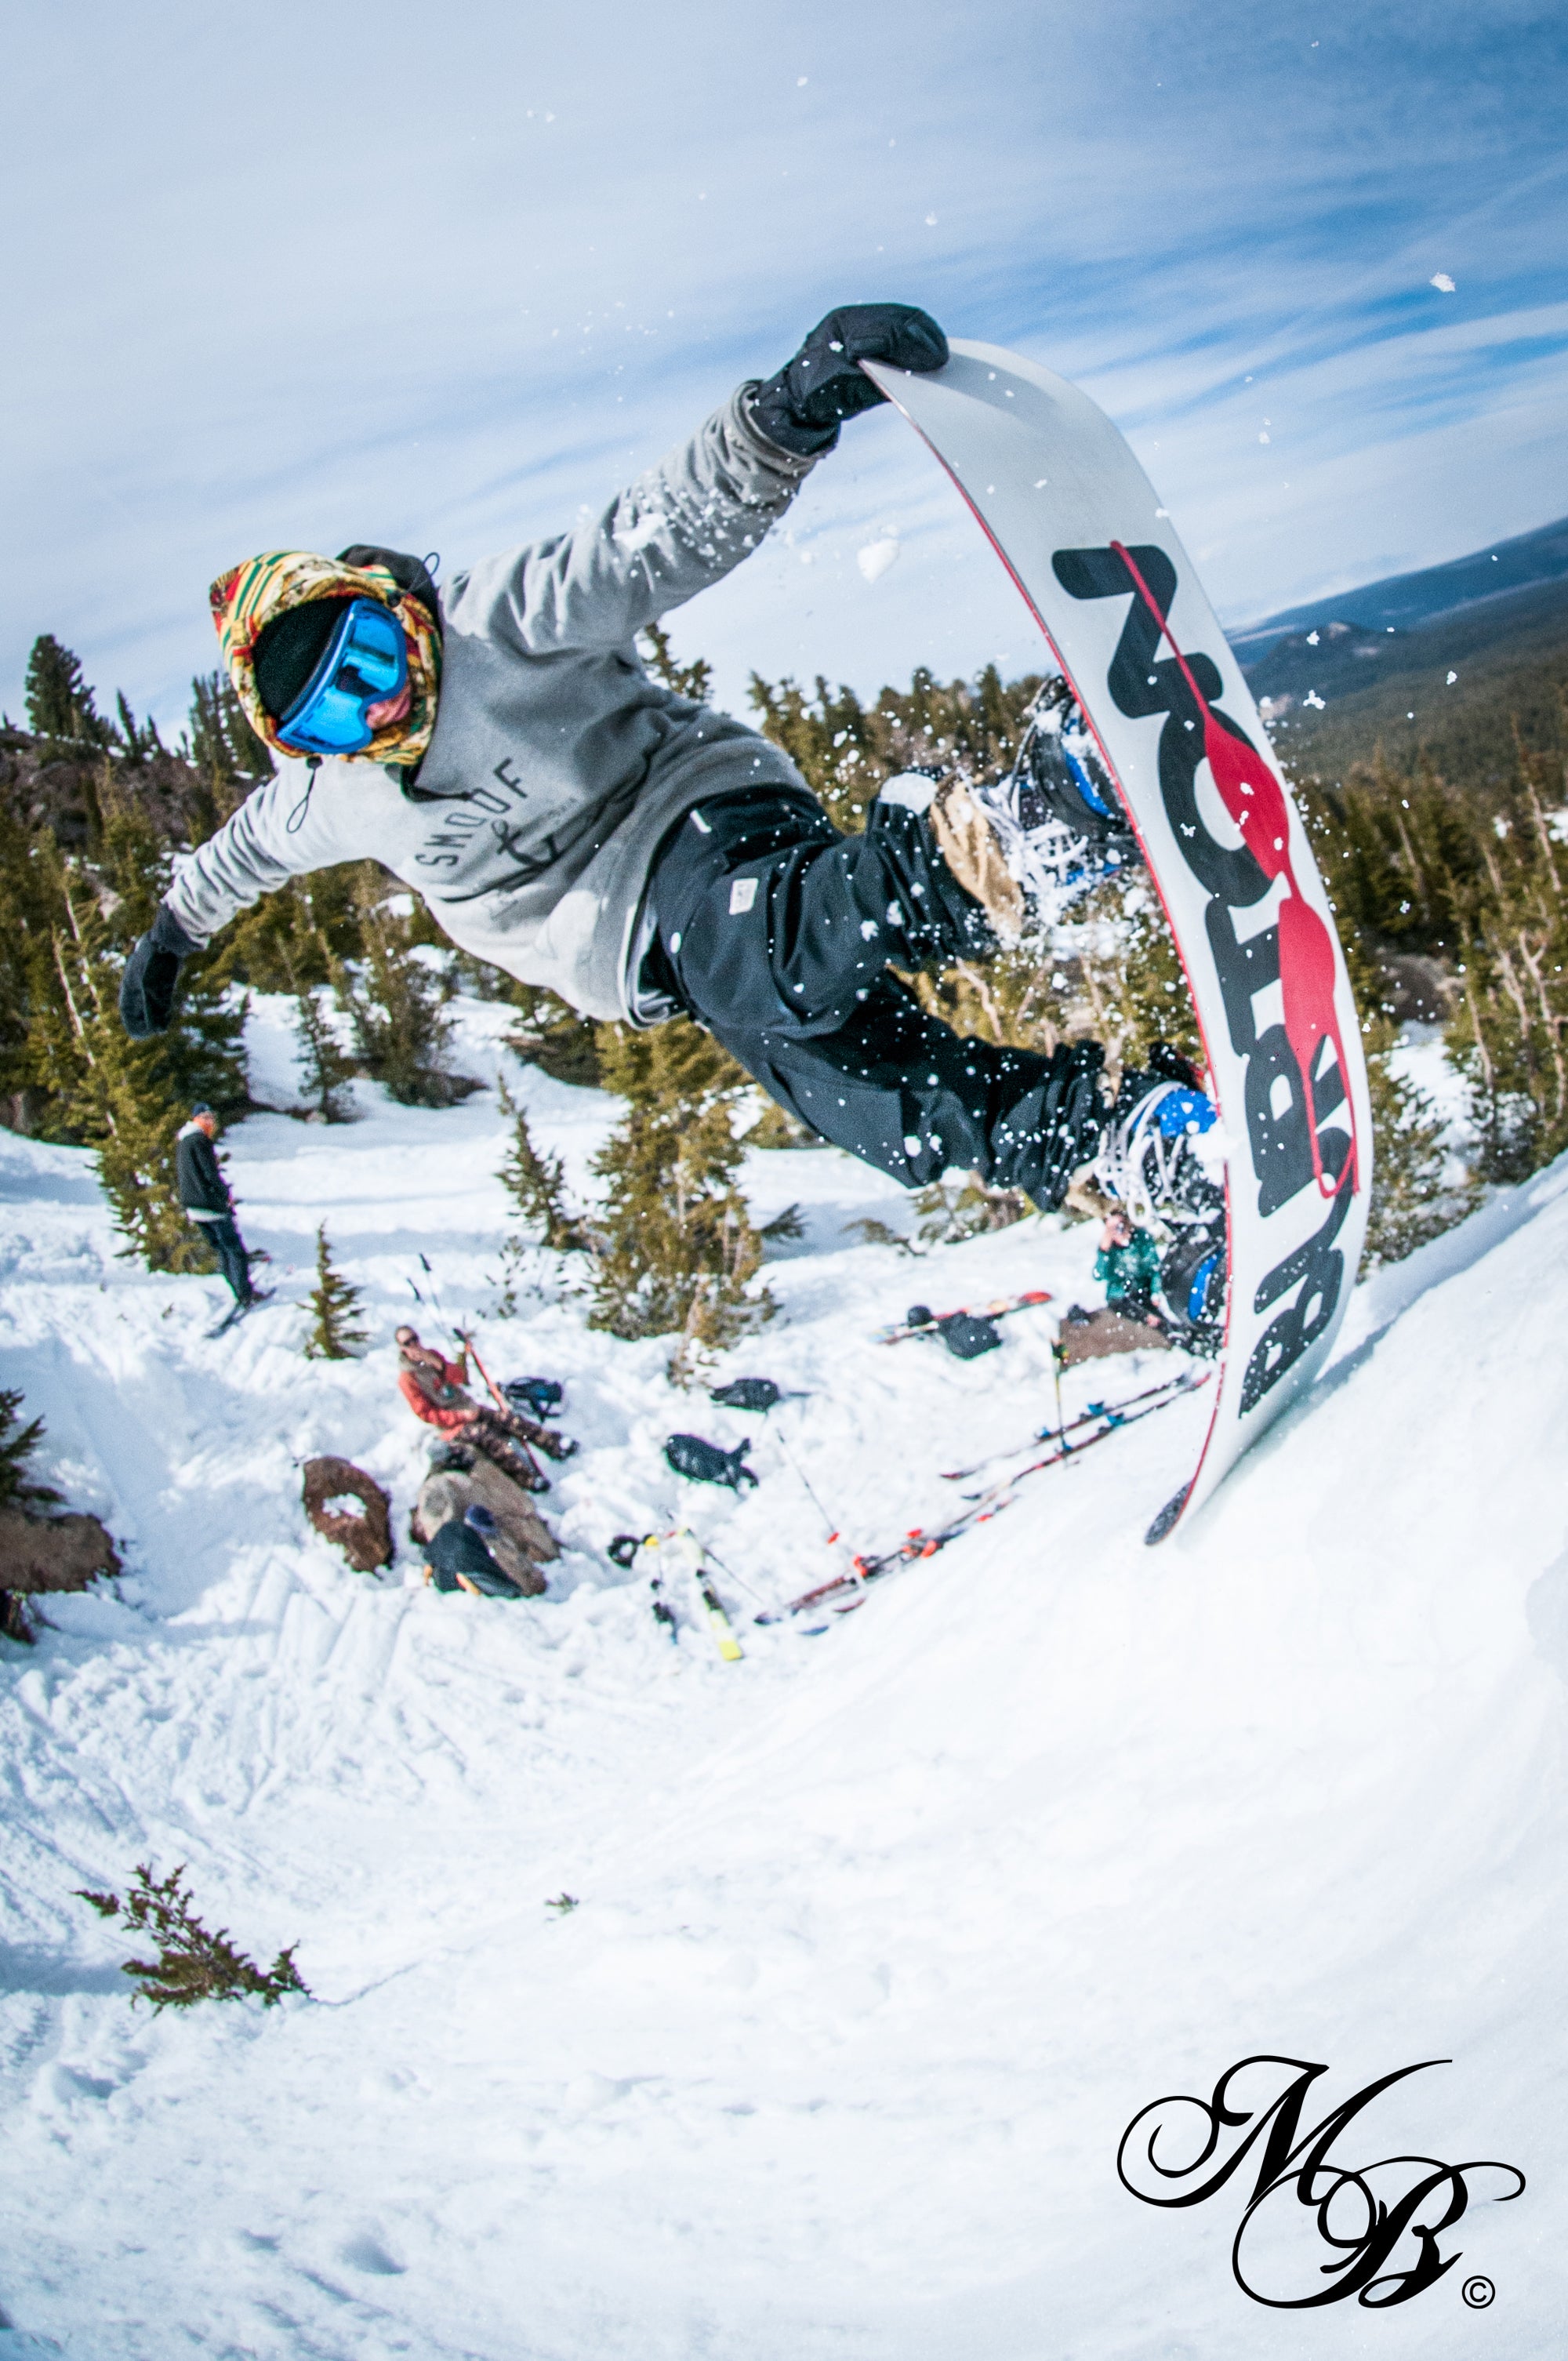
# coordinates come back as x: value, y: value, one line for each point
x: 1148, y: 1157
x: 1029, y: 845
x: 1150, y: 1161
x: 1193, y: 1283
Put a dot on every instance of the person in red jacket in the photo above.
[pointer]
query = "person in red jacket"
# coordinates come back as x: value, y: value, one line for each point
x: 434, y: 1390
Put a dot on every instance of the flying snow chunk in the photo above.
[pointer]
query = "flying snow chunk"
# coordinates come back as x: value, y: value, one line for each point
x: 877, y: 557
x: 1442, y: 282
x: 634, y: 537
x: 1451, y: 678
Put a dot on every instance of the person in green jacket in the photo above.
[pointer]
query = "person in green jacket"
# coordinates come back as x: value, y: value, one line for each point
x: 1128, y: 1267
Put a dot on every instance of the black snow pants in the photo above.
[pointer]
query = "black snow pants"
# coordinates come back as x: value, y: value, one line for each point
x: 774, y: 932
x: 233, y: 1261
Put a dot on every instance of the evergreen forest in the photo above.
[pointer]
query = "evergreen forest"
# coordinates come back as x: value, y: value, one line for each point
x: 1449, y: 883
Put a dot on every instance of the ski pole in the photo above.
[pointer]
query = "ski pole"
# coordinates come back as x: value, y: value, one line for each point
x: 1061, y: 1420
x: 834, y: 1533
x: 739, y: 1580
x: 473, y: 1355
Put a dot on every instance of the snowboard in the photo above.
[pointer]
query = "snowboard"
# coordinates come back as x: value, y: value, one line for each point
x: 1080, y: 529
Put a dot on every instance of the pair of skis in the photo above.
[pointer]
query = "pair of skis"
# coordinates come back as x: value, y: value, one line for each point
x: 236, y: 1312
x: 673, y: 1553
x: 1104, y: 1419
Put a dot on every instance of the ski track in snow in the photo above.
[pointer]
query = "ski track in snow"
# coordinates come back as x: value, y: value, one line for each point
x: 885, y: 1934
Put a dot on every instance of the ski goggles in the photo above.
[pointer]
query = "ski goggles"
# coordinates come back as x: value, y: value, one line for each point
x: 364, y: 664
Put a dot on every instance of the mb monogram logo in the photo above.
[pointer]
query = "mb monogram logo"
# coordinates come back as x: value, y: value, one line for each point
x: 1380, y: 2223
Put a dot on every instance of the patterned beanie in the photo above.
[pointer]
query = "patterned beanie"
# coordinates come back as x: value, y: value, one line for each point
x: 249, y: 596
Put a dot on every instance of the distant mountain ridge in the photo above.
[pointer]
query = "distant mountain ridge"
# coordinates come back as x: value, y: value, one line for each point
x: 1532, y: 564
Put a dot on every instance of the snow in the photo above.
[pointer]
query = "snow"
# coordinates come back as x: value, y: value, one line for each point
x: 876, y: 556
x: 884, y: 1935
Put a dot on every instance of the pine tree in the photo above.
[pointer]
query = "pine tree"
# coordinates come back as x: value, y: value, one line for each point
x: 397, y: 1005
x: 18, y: 1444
x: 140, y: 741
x: 1414, y: 1199
x: 221, y: 746
x: 202, y: 1055
x: 536, y: 1184
x: 335, y: 1306
x: 60, y: 703
x: 693, y: 680
x: 676, y: 1247
x: 117, y: 1093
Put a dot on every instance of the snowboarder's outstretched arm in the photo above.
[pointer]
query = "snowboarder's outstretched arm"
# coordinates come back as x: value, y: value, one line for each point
x: 702, y: 508
x: 678, y: 529
x: 688, y: 520
x: 286, y: 828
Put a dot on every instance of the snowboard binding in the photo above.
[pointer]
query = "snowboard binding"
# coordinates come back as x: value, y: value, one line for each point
x: 1056, y: 814
x: 1058, y: 776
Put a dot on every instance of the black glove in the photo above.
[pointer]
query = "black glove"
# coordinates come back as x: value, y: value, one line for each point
x: 152, y: 973
x: 801, y: 408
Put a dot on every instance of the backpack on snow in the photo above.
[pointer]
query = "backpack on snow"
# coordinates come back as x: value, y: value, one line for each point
x: 747, y: 1393
x: 966, y: 1335
x: 704, y: 1463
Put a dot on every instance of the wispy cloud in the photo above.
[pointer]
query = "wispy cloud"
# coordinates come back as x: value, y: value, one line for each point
x: 442, y: 279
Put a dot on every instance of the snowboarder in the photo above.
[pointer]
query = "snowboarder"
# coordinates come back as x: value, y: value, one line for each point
x: 204, y: 1193
x: 433, y: 1388
x: 498, y: 746
x: 457, y: 1556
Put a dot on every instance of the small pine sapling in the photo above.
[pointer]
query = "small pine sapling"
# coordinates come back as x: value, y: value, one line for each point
x: 18, y: 1490
x: 536, y: 1184
x: 193, y: 1962
x: 335, y: 1306
x: 676, y: 1248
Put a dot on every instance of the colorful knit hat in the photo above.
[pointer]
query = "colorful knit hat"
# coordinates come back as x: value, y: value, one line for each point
x: 249, y: 596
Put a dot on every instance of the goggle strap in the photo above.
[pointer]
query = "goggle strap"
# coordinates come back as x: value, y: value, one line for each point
x: 296, y: 819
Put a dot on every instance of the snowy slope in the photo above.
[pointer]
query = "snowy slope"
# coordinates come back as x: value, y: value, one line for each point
x: 885, y: 1934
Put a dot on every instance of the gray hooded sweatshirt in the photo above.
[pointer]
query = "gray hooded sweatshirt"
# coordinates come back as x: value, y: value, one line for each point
x: 557, y: 766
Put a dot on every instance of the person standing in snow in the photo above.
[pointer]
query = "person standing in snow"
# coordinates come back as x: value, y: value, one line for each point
x: 498, y: 746
x: 204, y: 1194
x: 434, y: 1390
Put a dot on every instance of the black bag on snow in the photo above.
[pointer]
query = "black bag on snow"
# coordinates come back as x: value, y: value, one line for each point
x: 747, y: 1393
x: 966, y: 1335
x: 688, y: 1455
x: 540, y: 1396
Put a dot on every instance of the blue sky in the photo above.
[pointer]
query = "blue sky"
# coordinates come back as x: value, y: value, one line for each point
x: 442, y: 277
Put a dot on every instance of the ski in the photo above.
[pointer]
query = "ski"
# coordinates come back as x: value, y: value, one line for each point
x: 1086, y: 1417
x: 718, y: 1623
x: 920, y: 1544
x: 1080, y: 529
x: 997, y: 1310
x: 668, y: 1553
x: 1111, y: 1422
x: 232, y: 1318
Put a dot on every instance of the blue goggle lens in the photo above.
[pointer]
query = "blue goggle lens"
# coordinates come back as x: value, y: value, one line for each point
x: 366, y: 661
